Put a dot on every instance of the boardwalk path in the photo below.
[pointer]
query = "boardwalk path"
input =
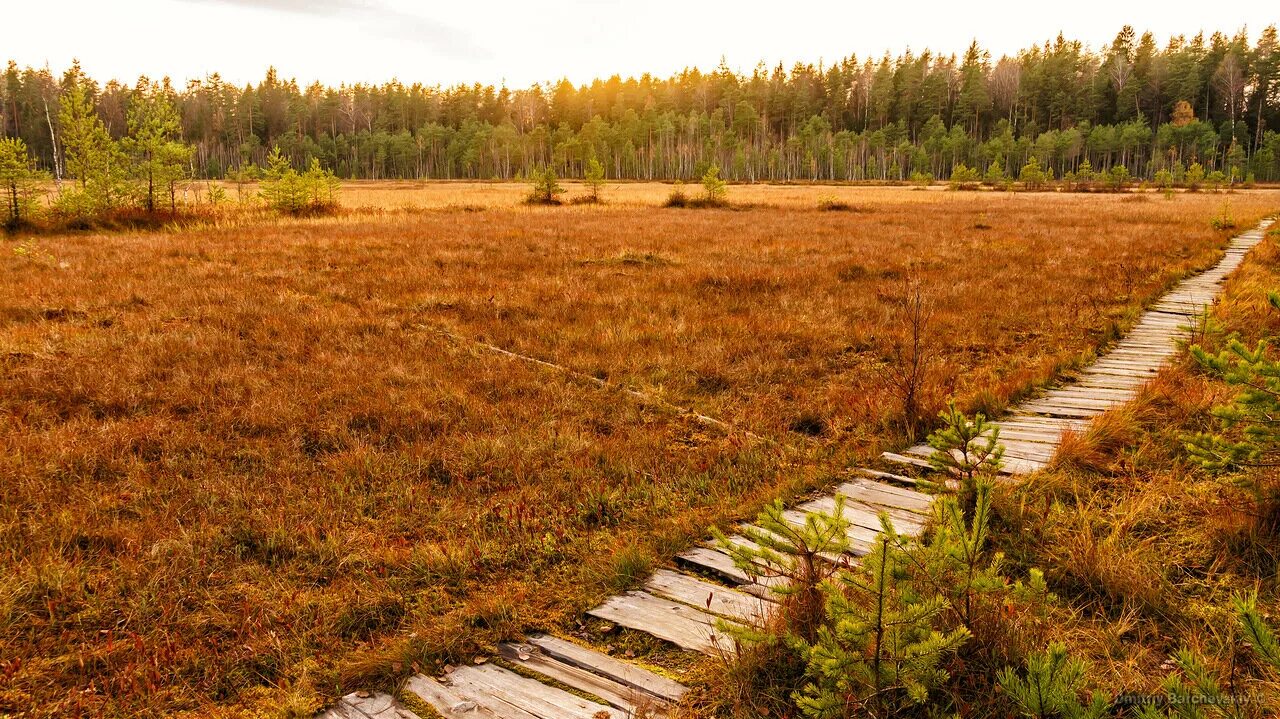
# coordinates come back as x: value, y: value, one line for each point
x: 683, y: 605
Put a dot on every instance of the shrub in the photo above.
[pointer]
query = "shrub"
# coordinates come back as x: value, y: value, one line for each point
x: 1223, y: 220
x: 677, y: 197
x: 829, y: 203
x: 544, y: 187
x: 964, y: 178
x: 715, y: 189
x: 1032, y: 175
x: 290, y: 192
x: 594, y: 179
x: 921, y: 178
x: 1195, y: 176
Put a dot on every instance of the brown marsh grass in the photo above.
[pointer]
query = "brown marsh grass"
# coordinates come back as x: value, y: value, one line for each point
x: 243, y: 470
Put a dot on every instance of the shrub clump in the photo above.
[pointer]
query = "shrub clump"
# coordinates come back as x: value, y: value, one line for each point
x: 285, y: 190
x: 714, y: 192
x: 545, y: 188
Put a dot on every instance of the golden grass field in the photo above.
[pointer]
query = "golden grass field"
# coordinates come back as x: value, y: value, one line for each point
x: 245, y: 469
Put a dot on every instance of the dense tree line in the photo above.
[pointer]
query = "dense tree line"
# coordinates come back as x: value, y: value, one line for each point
x: 1135, y: 103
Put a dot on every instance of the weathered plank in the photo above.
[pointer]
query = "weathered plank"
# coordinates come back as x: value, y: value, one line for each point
x: 888, y: 477
x: 629, y: 699
x: 626, y: 673
x: 695, y: 592
x: 451, y: 704
x: 492, y: 686
x: 682, y: 625
x: 377, y: 705
x: 718, y: 563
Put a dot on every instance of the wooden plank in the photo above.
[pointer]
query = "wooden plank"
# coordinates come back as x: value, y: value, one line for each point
x: 1021, y: 419
x: 1063, y: 399
x: 487, y: 684
x: 713, y: 598
x: 684, y: 626
x: 1055, y: 410
x: 716, y: 562
x: 1025, y: 450
x: 341, y: 710
x: 451, y: 704
x: 911, y: 508
x: 860, y: 538
x: 626, y: 673
x: 873, y: 492
x: 887, y: 476
x: 909, y: 461
x: 1094, y: 393
x: 378, y: 705
x: 868, y: 516
x: 629, y: 699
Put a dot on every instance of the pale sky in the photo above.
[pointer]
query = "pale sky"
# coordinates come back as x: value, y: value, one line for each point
x: 521, y: 43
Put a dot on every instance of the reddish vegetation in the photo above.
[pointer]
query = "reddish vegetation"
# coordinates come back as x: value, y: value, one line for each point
x: 241, y: 465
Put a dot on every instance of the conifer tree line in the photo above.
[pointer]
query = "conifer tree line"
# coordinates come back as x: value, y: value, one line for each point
x: 1136, y: 103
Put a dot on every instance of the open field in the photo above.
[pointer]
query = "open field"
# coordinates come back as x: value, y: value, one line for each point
x: 244, y: 465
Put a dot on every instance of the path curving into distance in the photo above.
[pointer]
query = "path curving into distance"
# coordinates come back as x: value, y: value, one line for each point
x: 683, y: 604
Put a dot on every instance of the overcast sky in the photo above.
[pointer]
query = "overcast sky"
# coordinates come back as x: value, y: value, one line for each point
x: 521, y: 43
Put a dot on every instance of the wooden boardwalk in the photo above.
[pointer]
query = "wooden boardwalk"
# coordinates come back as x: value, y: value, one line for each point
x: 687, y: 604
x: 1032, y: 430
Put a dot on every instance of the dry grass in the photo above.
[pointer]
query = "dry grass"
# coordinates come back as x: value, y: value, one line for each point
x: 243, y: 469
x: 1145, y: 548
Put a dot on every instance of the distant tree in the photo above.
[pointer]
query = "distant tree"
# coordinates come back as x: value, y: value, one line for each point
x: 594, y: 177
x: 1183, y: 115
x: 92, y: 157
x: 545, y: 187
x: 715, y: 189
x: 286, y: 190
x: 19, y: 181
x: 159, y: 159
x: 1032, y: 175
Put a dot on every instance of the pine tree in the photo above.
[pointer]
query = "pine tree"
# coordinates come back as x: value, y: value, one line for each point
x: 955, y: 557
x: 714, y: 189
x: 19, y: 182
x: 1052, y: 686
x: 800, y: 556
x: 594, y: 178
x: 881, y: 651
x: 1032, y: 175
x: 966, y: 451
x: 92, y: 157
x: 1249, y: 440
x: 160, y: 159
x: 545, y: 187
